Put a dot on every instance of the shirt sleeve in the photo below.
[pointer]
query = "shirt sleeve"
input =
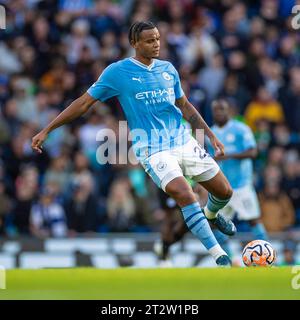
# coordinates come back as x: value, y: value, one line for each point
x: 248, y: 140
x: 179, y: 93
x: 105, y: 87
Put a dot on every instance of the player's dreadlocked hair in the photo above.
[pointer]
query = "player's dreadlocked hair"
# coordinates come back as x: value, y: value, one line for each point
x: 136, y: 29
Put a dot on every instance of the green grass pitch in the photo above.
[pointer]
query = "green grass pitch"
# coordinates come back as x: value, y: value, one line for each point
x: 142, y: 284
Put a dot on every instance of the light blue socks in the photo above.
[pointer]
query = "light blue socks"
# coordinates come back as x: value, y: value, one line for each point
x: 259, y: 232
x: 214, y: 205
x: 199, y: 226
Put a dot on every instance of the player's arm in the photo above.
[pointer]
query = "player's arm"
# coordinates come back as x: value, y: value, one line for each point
x: 247, y: 154
x: 247, y: 141
x: 250, y: 153
x: 191, y: 115
x: 77, y: 108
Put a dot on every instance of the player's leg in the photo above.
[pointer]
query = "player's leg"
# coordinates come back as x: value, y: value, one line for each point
x: 195, y: 219
x: 227, y: 212
x: 164, y: 169
x: 173, y: 228
x: 162, y: 246
x: 219, y: 194
x: 166, y: 234
x: 179, y: 231
x: 247, y: 207
x: 172, y: 232
x: 258, y: 229
x: 223, y: 240
x: 200, y: 166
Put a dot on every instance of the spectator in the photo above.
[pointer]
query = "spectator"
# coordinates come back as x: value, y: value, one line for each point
x: 81, y: 170
x: 290, y: 99
x: 4, y: 207
x: 47, y: 218
x: 9, y: 62
x: 212, y: 77
x: 26, y: 191
x: 110, y: 50
x: 53, y: 78
x: 228, y: 36
x: 200, y: 46
x: 263, y: 107
x: 106, y: 16
x: 75, y: 7
x: 289, y: 253
x: 120, y: 206
x: 271, y: 72
x: 78, y: 39
x: 272, y: 175
x: 287, y: 55
x: 236, y: 92
x: 278, y: 213
x: 263, y: 140
x: 291, y: 183
x: 276, y: 156
x: 269, y: 11
x: 26, y: 105
x: 81, y: 206
x: 3, y: 89
x: 58, y: 174
x: 89, y: 136
x: 282, y: 136
x: 10, y: 113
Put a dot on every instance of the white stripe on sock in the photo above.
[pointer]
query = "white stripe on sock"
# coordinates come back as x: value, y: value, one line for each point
x: 209, y: 214
x: 216, y: 251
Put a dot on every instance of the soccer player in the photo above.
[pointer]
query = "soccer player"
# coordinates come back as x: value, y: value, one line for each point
x: 236, y: 164
x: 154, y: 103
x: 240, y: 147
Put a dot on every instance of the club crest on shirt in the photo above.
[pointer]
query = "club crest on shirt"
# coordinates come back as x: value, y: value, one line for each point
x: 230, y: 138
x: 166, y: 76
x: 161, y: 166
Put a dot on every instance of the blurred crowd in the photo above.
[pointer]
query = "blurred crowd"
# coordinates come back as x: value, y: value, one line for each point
x: 52, y: 51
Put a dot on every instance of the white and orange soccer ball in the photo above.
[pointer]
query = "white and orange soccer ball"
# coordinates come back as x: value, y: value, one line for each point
x: 258, y: 253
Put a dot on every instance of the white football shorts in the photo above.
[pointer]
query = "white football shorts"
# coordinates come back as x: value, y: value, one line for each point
x: 190, y: 160
x: 244, y: 203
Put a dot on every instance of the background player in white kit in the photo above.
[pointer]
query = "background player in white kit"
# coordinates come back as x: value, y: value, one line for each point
x: 154, y: 103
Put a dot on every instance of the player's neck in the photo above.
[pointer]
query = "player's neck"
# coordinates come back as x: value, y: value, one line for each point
x: 222, y: 124
x: 143, y: 60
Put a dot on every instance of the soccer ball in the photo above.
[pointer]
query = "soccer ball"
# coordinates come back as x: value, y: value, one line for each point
x: 258, y: 253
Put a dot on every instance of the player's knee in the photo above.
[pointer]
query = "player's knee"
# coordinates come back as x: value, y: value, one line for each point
x: 188, y: 197
x: 226, y: 192
x: 183, y: 195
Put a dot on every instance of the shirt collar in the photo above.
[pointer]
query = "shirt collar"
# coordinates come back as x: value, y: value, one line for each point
x: 142, y: 65
x: 227, y: 125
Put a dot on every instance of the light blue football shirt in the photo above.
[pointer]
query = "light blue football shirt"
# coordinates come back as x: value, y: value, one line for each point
x: 237, y: 137
x: 147, y: 95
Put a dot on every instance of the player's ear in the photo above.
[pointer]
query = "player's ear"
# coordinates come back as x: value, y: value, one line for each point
x: 133, y: 44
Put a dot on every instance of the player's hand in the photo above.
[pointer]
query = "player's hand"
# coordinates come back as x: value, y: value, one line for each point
x: 218, y: 146
x: 38, y: 140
